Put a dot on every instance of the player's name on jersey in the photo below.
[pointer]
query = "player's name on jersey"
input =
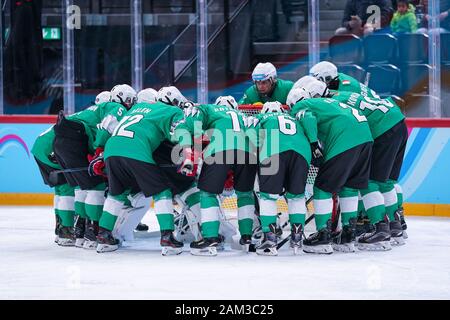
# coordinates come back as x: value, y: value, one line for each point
x: 141, y: 110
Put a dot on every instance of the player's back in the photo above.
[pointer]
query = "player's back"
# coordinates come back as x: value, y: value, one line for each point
x: 340, y: 127
x: 142, y: 130
x: 224, y: 126
x: 348, y: 83
x: 381, y: 114
x: 282, y: 132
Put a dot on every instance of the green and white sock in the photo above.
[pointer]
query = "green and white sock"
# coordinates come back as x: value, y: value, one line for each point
x: 296, y: 208
x: 209, y: 207
x: 323, y: 207
x: 348, y: 202
x: 94, y: 201
x: 373, y: 202
x: 64, y: 203
x: 267, y: 210
x: 111, y: 210
x: 387, y: 189
x: 164, y: 210
x: 246, y: 210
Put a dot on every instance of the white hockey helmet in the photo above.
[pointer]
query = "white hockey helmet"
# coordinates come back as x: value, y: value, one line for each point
x: 102, y: 97
x: 264, y: 71
x: 227, y: 101
x: 148, y: 95
x: 171, y: 95
x: 123, y: 94
x: 300, y: 83
x: 324, y: 71
x: 296, y: 95
x: 317, y: 89
x: 272, y: 107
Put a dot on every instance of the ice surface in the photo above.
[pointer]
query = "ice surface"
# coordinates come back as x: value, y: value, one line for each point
x: 32, y: 266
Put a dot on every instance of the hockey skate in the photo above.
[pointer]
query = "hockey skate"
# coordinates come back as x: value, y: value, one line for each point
x: 363, y: 225
x: 106, y: 242
x: 268, y: 247
x: 57, y: 226
x: 90, y: 235
x: 245, y: 242
x: 170, y: 245
x: 344, y: 240
x: 401, y: 213
x: 319, y: 242
x: 378, y: 240
x: 396, y: 231
x: 79, y: 228
x: 205, y: 247
x: 296, y: 237
x: 141, y: 227
x: 66, y: 237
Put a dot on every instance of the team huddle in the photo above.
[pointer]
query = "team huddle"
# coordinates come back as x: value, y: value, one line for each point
x: 108, y: 162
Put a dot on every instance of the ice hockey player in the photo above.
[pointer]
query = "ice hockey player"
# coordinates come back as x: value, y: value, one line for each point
x: 347, y: 143
x: 267, y: 86
x: 64, y: 201
x: 64, y: 193
x: 327, y: 72
x: 390, y: 134
x: 228, y: 150
x: 134, y: 176
x: 80, y: 139
x: 284, y: 157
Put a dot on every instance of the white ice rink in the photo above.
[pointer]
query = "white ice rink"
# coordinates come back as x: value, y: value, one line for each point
x: 32, y: 266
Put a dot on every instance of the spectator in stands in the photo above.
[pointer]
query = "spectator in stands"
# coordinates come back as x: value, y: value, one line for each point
x: 357, y: 13
x: 404, y: 19
x: 444, y: 16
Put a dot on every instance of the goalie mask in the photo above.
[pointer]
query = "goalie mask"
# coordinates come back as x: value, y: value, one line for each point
x: 227, y: 101
x: 123, y: 94
x: 172, y: 96
x: 102, y: 97
x: 148, y: 95
x: 326, y: 72
x: 272, y: 107
x: 297, y: 95
x: 265, y: 77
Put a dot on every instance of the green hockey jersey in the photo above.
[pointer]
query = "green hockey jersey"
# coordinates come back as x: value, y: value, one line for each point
x: 99, y: 122
x: 223, y: 126
x: 276, y: 132
x: 381, y: 114
x: 280, y: 93
x: 338, y: 126
x: 348, y: 83
x: 140, y: 132
x: 43, y: 147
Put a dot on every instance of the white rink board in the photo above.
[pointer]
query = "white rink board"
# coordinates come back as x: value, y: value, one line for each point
x: 33, y: 267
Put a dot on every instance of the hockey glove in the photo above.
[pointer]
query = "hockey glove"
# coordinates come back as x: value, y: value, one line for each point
x: 317, y: 153
x: 97, y: 167
x: 189, y: 164
x: 96, y: 163
x: 98, y: 153
x: 228, y: 188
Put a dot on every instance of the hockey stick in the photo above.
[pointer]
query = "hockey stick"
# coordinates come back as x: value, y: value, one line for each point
x: 252, y: 247
x: 53, y: 176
